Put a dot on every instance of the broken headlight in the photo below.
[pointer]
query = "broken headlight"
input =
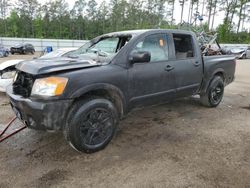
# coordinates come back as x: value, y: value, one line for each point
x: 8, y: 75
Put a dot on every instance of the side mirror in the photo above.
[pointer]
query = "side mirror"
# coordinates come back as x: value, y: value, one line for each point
x: 140, y: 57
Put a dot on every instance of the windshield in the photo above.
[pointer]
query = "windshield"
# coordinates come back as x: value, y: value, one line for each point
x: 106, y: 47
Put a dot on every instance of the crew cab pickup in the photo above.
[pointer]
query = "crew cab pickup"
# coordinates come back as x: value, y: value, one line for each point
x: 87, y: 93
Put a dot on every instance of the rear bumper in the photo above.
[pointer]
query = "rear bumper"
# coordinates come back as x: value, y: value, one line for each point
x: 42, y: 114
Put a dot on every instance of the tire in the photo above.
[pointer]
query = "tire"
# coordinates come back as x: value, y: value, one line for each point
x: 91, y: 124
x: 32, y: 52
x: 214, y: 93
x: 6, y: 54
x: 244, y: 56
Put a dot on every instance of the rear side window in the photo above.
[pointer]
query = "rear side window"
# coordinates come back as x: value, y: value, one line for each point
x: 156, y: 44
x: 183, y: 46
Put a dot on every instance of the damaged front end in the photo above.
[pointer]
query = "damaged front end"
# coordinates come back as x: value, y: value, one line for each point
x: 34, y: 112
x: 37, y: 98
x: 6, y: 78
x: 23, y: 83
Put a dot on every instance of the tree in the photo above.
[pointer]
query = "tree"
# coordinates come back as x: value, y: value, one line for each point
x: 171, y: 12
x: 92, y: 9
x: 242, y: 4
x: 233, y: 10
x: 27, y: 10
x: 228, y: 6
x: 13, y: 22
x: 59, y: 18
x: 246, y: 15
x: 87, y: 18
x: 4, y: 7
x: 78, y: 8
x: 182, y: 4
x: 215, y: 5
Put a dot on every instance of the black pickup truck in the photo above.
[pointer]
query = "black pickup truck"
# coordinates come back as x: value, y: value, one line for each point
x: 87, y: 93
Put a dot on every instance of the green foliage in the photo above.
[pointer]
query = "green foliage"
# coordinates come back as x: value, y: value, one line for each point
x: 224, y: 31
x: 88, y: 19
x: 226, y: 35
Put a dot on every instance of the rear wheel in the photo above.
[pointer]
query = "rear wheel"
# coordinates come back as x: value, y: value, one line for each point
x: 91, y: 125
x: 214, y: 94
x: 6, y: 54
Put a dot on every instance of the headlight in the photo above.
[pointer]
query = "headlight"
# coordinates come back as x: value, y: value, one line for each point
x: 51, y: 86
x: 8, y: 75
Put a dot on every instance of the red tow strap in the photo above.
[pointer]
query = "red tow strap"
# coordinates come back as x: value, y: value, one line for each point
x: 4, y: 136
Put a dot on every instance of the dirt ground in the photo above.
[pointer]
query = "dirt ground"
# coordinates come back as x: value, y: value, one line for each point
x: 16, y: 56
x: 180, y: 144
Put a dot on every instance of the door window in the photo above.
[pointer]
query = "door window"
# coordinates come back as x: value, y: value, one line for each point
x: 183, y: 46
x: 155, y: 44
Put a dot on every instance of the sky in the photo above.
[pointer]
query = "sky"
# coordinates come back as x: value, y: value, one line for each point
x: 177, y: 13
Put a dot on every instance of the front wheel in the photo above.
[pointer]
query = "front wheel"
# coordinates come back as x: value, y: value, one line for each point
x: 91, y: 125
x: 214, y: 93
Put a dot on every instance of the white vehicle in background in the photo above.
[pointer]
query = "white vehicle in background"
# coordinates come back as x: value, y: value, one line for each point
x: 8, y: 71
x: 58, y: 53
x: 240, y: 52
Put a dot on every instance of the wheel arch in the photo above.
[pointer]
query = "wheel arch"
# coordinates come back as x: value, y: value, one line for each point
x: 107, y: 91
x: 218, y: 72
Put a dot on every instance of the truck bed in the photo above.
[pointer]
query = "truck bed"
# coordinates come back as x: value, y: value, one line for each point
x: 223, y: 63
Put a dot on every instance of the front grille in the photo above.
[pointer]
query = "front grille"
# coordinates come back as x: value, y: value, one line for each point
x: 23, y: 84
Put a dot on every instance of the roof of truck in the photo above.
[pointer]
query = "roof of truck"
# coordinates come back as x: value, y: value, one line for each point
x: 141, y: 31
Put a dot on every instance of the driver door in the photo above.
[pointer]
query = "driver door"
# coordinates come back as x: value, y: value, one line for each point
x: 153, y: 81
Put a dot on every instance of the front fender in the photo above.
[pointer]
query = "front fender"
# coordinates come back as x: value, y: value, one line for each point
x: 111, y: 89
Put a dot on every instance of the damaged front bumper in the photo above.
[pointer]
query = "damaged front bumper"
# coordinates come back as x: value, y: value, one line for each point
x: 40, y: 114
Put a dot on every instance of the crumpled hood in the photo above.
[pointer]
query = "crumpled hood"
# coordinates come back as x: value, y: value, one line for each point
x: 44, y: 66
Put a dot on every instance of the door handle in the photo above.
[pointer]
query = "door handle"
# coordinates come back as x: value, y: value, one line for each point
x: 169, y: 68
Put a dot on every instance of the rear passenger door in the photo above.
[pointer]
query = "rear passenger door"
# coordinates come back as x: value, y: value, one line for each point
x: 188, y: 64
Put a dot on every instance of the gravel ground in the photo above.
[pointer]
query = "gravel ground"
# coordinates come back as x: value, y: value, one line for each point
x: 180, y: 144
x: 15, y: 56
